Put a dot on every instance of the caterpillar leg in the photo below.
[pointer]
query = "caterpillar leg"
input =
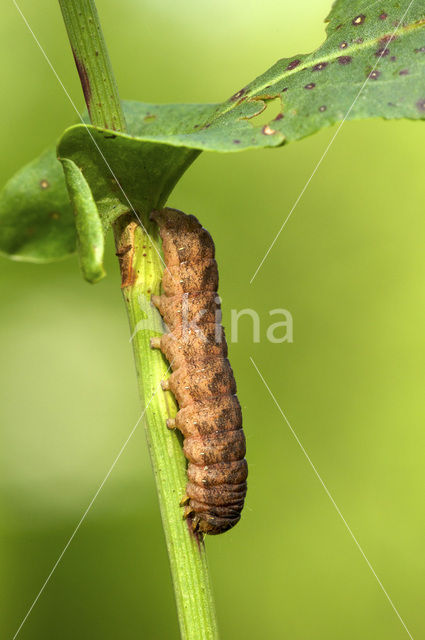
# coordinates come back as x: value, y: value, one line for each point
x: 155, y: 343
x: 171, y: 423
x: 165, y: 384
x: 184, y: 501
x: 187, y: 511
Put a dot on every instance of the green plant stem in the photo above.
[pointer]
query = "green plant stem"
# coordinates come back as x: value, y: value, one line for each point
x: 141, y: 270
x: 93, y: 64
x: 186, y: 553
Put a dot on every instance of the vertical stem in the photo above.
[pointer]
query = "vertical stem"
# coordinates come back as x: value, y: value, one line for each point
x: 93, y: 63
x: 141, y: 271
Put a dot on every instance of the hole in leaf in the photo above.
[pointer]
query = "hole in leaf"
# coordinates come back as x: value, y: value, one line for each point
x: 273, y: 108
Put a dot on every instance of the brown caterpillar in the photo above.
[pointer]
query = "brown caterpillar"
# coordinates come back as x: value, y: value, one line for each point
x: 202, y: 381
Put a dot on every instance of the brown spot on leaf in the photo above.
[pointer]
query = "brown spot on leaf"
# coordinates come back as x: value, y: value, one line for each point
x: 358, y: 20
x: 310, y: 85
x: 236, y: 141
x: 237, y: 95
x: 359, y: 40
x: 382, y: 52
x: 421, y: 50
x: 383, y: 16
x: 284, y: 89
x: 374, y: 75
x: 338, y: 27
x: 388, y: 38
x: 421, y: 105
x: 403, y: 72
x: 343, y: 45
x: 393, y: 58
x: 279, y: 116
x: 322, y: 108
x: 319, y: 66
x: 293, y: 64
x: 344, y: 59
x: 44, y: 184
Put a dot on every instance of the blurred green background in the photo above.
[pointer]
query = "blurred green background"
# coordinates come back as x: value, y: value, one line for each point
x: 349, y: 267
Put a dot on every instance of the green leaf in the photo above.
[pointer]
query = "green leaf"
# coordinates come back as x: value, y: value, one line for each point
x: 368, y: 66
x: 88, y: 223
x: 200, y: 126
x: 36, y: 219
x: 124, y: 172
x: 109, y: 174
x: 37, y: 223
x: 359, y: 72
x: 359, y: 54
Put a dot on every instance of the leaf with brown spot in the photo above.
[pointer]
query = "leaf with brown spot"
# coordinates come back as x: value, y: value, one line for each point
x: 383, y: 62
x: 36, y: 219
x: 374, y: 54
x: 386, y: 64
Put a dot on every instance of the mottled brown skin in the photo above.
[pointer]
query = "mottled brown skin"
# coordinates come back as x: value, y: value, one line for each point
x: 202, y: 381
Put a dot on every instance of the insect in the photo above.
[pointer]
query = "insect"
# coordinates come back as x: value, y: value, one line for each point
x: 202, y: 381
